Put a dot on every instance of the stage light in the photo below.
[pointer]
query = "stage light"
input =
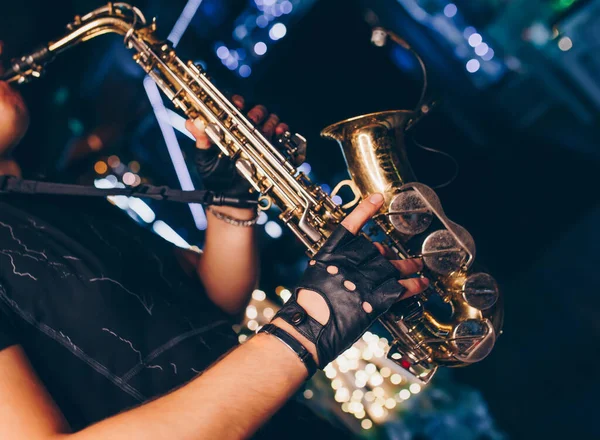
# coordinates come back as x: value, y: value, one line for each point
x: 183, y: 21
x: 450, y: 10
x: 222, y: 52
x: 273, y: 229
x: 481, y: 49
x: 183, y: 174
x: 337, y: 200
x: 240, y: 32
x: 308, y: 394
x: 475, y: 39
x: 262, y: 21
x: 166, y: 232
x: 287, y: 7
x: 404, y: 394
x: 414, y: 388
x: 100, y: 167
x: 262, y: 218
x: 366, y: 424
x: 142, y: 209
x: 470, y: 30
x: 260, y: 48
x: 305, y: 168
x: 245, y: 71
x: 488, y: 55
x: 473, y: 65
x: 259, y: 295
x: 565, y: 44
x: 396, y: 379
x: 278, y: 31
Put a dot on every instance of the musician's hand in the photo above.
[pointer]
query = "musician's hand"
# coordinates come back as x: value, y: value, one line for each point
x: 14, y: 120
x: 219, y: 173
x: 357, y: 281
x: 258, y: 114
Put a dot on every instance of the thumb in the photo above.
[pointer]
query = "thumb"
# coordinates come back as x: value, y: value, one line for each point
x: 363, y: 213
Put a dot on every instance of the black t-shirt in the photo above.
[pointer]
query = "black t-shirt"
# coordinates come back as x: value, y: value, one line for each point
x: 103, y: 310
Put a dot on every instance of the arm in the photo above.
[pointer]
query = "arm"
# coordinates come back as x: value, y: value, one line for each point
x: 228, y: 266
x: 230, y: 400
x: 14, y: 121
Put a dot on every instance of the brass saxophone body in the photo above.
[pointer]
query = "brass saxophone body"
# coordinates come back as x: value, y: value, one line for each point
x: 411, y: 221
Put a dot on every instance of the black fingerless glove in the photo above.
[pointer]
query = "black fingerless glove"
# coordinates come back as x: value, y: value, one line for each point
x: 219, y: 174
x: 363, y: 275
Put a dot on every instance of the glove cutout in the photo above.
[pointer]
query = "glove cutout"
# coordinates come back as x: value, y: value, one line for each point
x: 347, y: 272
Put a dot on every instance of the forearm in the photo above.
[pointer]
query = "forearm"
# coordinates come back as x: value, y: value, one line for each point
x: 230, y: 400
x: 229, y: 264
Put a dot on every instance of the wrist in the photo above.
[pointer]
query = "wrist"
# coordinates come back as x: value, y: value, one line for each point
x: 298, y: 336
x: 238, y: 213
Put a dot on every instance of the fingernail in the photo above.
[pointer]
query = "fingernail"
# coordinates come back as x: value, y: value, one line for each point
x: 376, y: 199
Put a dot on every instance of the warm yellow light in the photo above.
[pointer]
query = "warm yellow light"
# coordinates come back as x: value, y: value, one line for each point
x: 396, y: 379
x: 366, y: 424
x: 390, y: 403
x: 100, y: 167
x: 308, y: 394
x: 242, y: 338
x: 252, y: 325
x: 336, y: 383
x: 369, y: 396
x: 404, y: 394
x: 330, y: 371
x: 377, y: 411
x: 269, y: 313
x: 414, y: 388
x: 357, y: 395
x: 378, y: 392
x: 285, y: 295
x: 370, y: 368
x: 376, y: 380
x: 259, y: 295
x: 342, y: 395
x: 385, y: 372
x: 346, y: 407
x: 251, y: 312
x: 360, y: 414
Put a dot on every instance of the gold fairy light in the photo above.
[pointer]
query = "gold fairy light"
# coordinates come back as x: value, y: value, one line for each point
x: 368, y: 387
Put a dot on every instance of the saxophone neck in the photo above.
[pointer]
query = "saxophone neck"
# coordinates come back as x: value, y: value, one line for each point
x: 119, y: 18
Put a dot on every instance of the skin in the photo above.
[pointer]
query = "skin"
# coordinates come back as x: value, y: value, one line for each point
x: 272, y: 373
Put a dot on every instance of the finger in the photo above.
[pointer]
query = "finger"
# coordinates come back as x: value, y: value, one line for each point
x: 362, y: 213
x: 9, y: 168
x: 196, y: 128
x: 269, y: 126
x: 257, y: 114
x: 408, y: 267
x: 281, y: 128
x: 414, y: 286
x: 238, y: 101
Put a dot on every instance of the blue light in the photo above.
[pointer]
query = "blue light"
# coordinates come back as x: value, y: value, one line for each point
x: 260, y: 48
x: 183, y: 21
x: 240, y: 32
x: 278, y: 31
x: 231, y: 63
x: 273, y: 229
x: 475, y: 39
x: 262, y: 21
x: 481, y: 49
x: 469, y: 31
x: 326, y: 188
x: 337, y: 200
x: 450, y: 10
x: 287, y: 7
x: 488, y: 55
x: 473, y: 65
x: 245, y: 71
x: 222, y: 52
x: 305, y: 168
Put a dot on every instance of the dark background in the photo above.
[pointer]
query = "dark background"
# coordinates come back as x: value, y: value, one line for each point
x: 526, y: 141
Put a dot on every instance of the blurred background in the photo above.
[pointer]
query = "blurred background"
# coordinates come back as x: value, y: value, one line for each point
x: 517, y: 86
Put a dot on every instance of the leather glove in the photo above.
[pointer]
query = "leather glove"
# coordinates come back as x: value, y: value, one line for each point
x: 357, y: 283
x: 217, y: 172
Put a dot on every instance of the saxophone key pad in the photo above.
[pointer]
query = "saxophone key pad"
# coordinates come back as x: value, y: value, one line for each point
x: 442, y: 253
x: 409, y: 213
x: 480, y: 291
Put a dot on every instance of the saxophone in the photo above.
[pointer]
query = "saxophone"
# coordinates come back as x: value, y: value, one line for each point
x: 455, y: 322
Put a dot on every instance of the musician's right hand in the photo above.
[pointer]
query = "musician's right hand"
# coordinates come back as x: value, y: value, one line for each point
x: 348, y: 284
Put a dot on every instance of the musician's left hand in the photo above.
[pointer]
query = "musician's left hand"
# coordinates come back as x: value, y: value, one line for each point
x: 14, y: 120
x: 219, y: 174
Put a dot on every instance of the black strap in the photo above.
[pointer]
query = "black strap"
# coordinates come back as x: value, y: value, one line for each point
x: 305, y: 356
x: 14, y: 185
